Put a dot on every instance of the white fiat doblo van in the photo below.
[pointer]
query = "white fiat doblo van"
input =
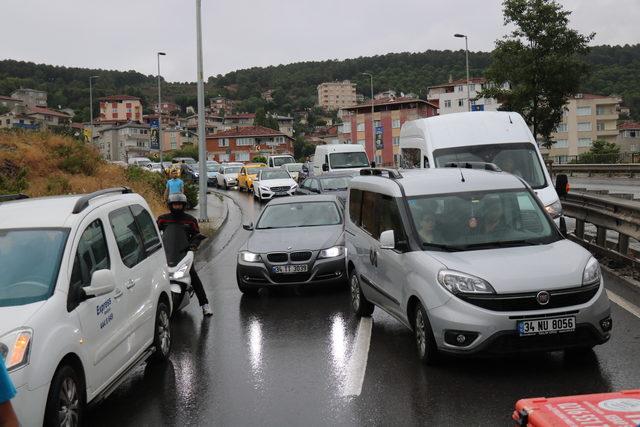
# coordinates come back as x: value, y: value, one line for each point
x: 339, y: 158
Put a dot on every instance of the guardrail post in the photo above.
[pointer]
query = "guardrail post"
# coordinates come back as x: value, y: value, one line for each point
x: 601, y: 236
x: 623, y: 244
x: 579, y: 231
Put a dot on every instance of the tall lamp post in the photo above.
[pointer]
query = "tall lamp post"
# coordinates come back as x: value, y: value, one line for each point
x: 373, y: 122
x: 466, y: 46
x: 202, y: 149
x: 91, y: 103
x: 160, y: 110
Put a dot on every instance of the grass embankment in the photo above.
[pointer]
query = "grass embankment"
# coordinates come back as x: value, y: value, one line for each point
x: 44, y: 164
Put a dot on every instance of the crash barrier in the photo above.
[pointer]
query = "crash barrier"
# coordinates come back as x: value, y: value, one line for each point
x: 628, y: 169
x: 606, y: 213
x: 591, y: 158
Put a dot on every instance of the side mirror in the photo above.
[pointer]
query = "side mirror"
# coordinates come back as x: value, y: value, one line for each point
x: 102, y: 283
x: 325, y: 167
x: 387, y: 240
x: 373, y: 164
x: 562, y: 185
x: 248, y: 227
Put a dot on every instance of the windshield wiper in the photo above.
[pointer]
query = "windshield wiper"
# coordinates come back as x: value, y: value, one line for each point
x: 443, y: 247
x: 502, y: 244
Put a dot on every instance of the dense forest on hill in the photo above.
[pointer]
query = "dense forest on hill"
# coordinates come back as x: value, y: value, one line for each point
x: 614, y: 70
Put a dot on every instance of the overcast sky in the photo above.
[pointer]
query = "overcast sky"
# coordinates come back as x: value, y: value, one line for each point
x: 125, y: 34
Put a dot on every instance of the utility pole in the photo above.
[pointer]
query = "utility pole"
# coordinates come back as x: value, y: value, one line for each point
x: 160, y: 111
x: 202, y: 149
x: 373, y: 122
x: 466, y: 46
x: 91, y: 103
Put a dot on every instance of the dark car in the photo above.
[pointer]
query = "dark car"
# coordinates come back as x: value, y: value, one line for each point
x: 297, y: 240
x: 329, y: 183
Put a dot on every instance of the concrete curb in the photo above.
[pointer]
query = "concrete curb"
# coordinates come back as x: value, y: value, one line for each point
x: 630, y: 282
x: 218, y: 226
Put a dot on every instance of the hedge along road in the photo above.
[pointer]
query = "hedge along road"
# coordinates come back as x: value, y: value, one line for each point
x: 303, y: 359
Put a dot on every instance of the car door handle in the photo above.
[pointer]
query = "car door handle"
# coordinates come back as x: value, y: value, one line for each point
x: 130, y: 283
x: 117, y: 294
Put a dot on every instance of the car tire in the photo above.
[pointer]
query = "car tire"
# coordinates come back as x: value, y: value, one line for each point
x: 226, y: 187
x: 423, y: 335
x: 162, y: 333
x: 66, y: 400
x: 359, y: 303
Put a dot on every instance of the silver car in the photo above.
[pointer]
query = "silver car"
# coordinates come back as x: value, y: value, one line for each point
x: 471, y: 262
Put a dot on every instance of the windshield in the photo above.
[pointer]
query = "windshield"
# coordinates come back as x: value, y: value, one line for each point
x: 274, y: 175
x: 24, y: 281
x: 235, y: 169
x: 520, y: 159
x: 336, y: 183
x: 279, y: 161
x: 306, y: 214
x: 294, y: 167
x: 354, y: 159
x: 468, y: 221
x: 253, y: 171
x: 213, y: 168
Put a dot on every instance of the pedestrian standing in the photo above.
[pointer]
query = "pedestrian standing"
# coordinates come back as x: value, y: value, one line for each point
x: 174, y: 185
x: 8, y: 416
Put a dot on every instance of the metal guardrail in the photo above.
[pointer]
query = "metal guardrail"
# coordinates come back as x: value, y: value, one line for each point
x: 605, y: 213
x: 629, y: 169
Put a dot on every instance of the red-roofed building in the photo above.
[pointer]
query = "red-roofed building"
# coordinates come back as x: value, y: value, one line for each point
x: 629, y: 137
x: 389, y: 115
x: 241, y: 144
x: 9, y: 102
x: 451, y: 97
x: 120, y: 109
x: 49, y: 117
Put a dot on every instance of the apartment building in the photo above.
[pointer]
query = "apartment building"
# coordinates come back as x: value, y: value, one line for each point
x: 336, y: 95
x: 121, y: 142
x: 451, y: 97
x: 221, y: 105
x: 167, y: 108
x: 10, y: 103
x: 586, y: 118
x: 388, y: 116
x: 120, y: 109
x: 629, y: 137
x: 239, y: 120
x: 30, y: 97
x: 241, y: 144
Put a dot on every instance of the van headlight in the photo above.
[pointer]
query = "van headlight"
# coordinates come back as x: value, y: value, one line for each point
x: 554, y: 209
x: 247, y: 256
x: 15, y: 348
x: 591, y: 274
x: 332, y: 252
x: 462, y: 283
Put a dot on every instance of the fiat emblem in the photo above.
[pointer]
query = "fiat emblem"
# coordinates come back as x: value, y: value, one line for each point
x: 543, y: 297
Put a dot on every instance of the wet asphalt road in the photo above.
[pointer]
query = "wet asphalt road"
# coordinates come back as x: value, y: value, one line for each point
x: 283, y: 359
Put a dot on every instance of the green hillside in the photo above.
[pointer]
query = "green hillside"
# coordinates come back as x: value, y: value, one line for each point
x: 614, y: 70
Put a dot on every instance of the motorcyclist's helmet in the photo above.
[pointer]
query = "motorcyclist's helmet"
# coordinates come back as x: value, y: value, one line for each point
x: 174, y: 199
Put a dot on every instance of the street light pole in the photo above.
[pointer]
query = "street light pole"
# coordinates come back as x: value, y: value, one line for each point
x: 466, y: 46
x: 373, y: 122
x: 160, y: 111
x: 91, y: 103
x: 202, y: 151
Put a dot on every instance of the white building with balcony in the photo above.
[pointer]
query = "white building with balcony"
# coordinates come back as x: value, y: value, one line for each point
x: 452, y: 97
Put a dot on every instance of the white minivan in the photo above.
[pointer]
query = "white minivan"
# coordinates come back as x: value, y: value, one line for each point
x: 139, y: 161
x: 339, y: 158
x: 498, y: 137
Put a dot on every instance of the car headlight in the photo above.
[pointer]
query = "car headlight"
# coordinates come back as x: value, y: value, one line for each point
x: 332, y: 252
x: 554, y: 209
x: 294, y: 186
x: 265, y: 189
x: 247, y: 256
x: 180, y: 272
x: 462, y: 283
x: 592, y: 273
x: 15, y: 348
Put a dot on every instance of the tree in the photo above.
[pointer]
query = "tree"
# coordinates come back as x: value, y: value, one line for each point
x: 266, y: 120
x: 542, y: 60
x: 601, y: 152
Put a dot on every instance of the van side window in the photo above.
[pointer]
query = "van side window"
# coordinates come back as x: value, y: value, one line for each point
x: 389, y: 218
x: 92, y: 254
x: 150, y: 236
x: 355, y: 206
x: 313, y: 185
x: 370, y: 220
x: 127, y: 236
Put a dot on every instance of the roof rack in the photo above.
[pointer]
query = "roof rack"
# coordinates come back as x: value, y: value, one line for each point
x: 11, y: 197
x: 83, y: 202
x: 474, y: 165
x: 391, y: 173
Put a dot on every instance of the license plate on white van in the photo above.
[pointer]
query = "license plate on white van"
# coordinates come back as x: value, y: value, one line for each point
x: 289, y: 269
x: 546, y: 326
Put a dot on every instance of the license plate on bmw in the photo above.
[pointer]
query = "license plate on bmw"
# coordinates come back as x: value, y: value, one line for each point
x: 546, y: 326
x: 288, y: 269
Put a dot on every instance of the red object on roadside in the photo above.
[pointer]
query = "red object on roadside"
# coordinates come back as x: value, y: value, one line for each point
x: 595, y: 410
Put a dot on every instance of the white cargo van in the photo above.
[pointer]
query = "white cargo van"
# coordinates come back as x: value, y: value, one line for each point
x: 498, y: 137
x: 339, y: 157
x: 140, y: 161
x: 279, y: 160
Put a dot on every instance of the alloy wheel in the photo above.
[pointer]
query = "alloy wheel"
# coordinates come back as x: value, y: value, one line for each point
x: 164, y: 333
x: 68, y: 403
x: 421, y: 334
x: 355, y: 293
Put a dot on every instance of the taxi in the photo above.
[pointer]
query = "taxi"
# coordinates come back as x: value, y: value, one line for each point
x: 247, y: 174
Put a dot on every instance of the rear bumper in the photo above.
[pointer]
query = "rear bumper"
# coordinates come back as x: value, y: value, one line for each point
x: 321, y: 272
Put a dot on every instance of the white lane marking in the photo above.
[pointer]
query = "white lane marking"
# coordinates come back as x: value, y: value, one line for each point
x: 631, y: 308
x: 357, y: 366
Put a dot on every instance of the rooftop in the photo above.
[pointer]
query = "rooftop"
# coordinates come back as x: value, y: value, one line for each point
x: 119, y: 98
x: 247, y: 131
x: 241, y: 116
x: 48, y: 112
x: 629, y: 126
x: 389, y: 101
x: 474, y: 80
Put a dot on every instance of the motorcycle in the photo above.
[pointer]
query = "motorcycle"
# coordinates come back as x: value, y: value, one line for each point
x: 180, y: 257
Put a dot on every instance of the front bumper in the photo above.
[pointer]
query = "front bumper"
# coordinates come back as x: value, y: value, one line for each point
x: 497, y: 330
x: 268, y: 194
x: 30, y: 405
x: 325, y: 271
